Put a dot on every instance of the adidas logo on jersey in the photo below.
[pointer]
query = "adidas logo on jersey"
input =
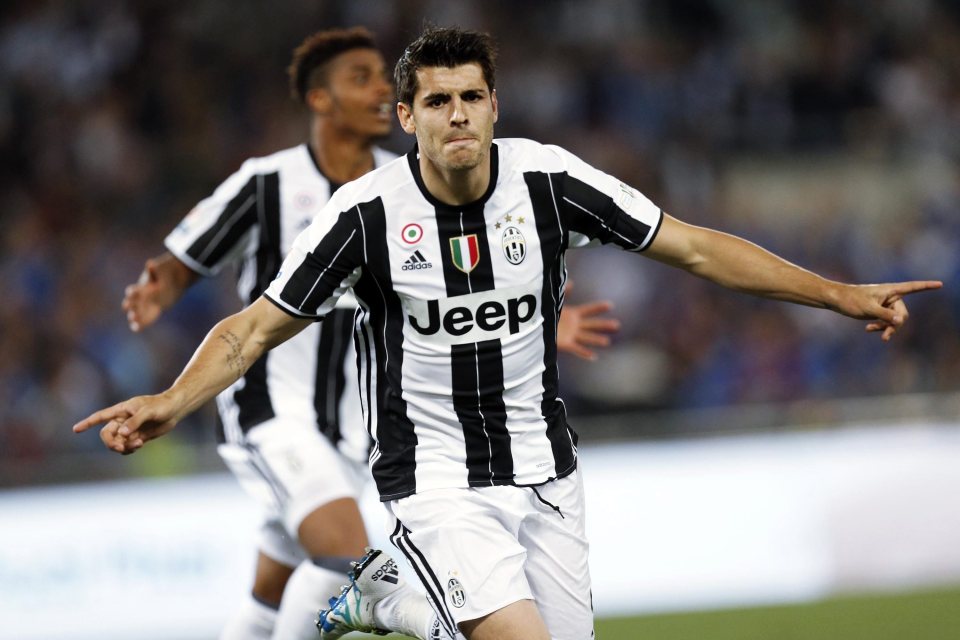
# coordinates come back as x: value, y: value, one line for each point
x: 415, y: 262
x: 387, y: 572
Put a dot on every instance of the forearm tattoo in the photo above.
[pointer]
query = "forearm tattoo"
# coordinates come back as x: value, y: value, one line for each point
x: 235, y: 359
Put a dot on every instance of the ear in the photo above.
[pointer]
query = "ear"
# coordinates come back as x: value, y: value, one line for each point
x: 496, y: 108
x: 405, y: 115
x: 320, y: 101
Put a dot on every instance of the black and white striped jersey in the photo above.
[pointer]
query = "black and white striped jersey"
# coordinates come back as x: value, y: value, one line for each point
x: 250, y: 222
x: 456, y: 331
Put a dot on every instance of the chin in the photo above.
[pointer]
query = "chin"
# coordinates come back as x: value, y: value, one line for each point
x: 462, y: 162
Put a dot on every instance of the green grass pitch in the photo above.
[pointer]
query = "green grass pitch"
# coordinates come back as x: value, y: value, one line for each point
x: 927, y: 615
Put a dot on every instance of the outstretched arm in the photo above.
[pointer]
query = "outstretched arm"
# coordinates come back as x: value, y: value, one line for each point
x: 163, y: 281
x: 229, y: 349
x: 737, y: 264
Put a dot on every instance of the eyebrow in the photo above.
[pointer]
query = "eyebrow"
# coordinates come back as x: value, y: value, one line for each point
x: 446, y: 94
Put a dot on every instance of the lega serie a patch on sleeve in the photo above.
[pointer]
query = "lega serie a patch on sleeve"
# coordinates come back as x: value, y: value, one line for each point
x: 626, y: 197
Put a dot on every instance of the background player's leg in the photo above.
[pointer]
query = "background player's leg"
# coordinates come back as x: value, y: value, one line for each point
x: 256, y: 617
x: 332, y: 535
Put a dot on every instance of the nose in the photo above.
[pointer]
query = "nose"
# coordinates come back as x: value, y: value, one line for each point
x: 458, y: 115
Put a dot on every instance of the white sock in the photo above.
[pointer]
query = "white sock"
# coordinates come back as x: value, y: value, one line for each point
x: 407, y: 611
x: 254, y: 620
x: 308, y: 590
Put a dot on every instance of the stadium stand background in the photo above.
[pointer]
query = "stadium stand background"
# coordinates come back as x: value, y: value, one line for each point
x: 828, y: 131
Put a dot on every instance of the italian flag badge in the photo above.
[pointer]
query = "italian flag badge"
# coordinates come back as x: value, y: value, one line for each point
x: 465, y: 251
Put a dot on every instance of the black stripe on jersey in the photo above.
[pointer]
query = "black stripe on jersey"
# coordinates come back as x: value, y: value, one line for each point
x: 394, y: 469
x: 336, y: 332
x: 253, y: 400
x: 477, y: 388
x: 476, y: 369
x: 552, y: 232
x: 269, y: 255
x: 339, y: 252
x: 428, y: 577
x: 237, y: 217
x: 594, y: 214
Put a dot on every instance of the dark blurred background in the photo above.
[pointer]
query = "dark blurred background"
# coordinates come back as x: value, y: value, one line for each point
x: 827, y: 131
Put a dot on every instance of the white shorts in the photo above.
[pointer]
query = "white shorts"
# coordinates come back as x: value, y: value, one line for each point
x: 478, y: 550
x: 290, y: 471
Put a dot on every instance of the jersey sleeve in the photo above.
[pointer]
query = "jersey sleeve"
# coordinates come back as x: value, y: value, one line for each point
x: 220, y: 230
x: 599, y: 208
x: 323, y: 264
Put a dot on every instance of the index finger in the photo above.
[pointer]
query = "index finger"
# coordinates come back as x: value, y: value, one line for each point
x: 904, y: 288
x: 104, y: 415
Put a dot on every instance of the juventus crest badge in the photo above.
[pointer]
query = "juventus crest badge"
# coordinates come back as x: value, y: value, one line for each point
x: 514, y: 245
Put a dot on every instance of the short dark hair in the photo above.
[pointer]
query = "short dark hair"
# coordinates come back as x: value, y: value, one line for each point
x: 308, y: 68
x: 444, y: 47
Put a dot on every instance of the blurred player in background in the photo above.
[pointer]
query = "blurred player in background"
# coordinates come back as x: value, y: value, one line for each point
x: 290, y: 428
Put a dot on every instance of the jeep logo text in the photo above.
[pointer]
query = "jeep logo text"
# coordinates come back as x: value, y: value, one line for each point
x: 473, y: 317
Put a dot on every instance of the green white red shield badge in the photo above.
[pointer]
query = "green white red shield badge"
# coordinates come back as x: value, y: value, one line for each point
x: 465, y: 252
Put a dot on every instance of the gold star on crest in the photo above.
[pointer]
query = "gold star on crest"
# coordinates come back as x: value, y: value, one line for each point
x: 508, y: 218
x: 497, y: 225
x: 520, y: 219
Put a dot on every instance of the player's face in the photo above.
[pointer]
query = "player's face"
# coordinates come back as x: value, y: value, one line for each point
x: 452, y: 115
x: 358, y: 96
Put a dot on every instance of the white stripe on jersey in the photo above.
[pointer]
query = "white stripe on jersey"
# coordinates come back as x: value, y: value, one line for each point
x: 464, y: 345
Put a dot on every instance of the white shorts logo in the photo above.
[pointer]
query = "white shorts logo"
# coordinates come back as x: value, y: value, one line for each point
x: 455, y: 592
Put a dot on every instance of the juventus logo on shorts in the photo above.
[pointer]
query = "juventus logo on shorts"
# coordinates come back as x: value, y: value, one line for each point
x: 455, y: 592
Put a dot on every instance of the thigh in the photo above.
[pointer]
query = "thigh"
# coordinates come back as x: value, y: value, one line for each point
x: 516, y: 621
x: 464, y: 549
x: 291, y: 471
x: 557, y: 559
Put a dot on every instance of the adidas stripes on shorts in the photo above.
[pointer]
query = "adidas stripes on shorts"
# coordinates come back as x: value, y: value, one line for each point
x: 480, y: 549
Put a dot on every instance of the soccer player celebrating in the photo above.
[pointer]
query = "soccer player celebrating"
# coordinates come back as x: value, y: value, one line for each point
x: 473, y: 456
x: 291, y: 426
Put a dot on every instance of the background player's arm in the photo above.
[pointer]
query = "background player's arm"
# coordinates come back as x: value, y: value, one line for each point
x: 163, y: 281
x: 741, y: 265
x: 228, y: 351
x: 583, y: 326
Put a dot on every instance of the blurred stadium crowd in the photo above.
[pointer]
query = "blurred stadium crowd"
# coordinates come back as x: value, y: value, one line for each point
x: 826, y: 130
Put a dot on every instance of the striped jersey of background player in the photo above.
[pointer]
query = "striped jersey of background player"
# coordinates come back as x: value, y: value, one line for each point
x: 472, y: 447
x: 289, y: 427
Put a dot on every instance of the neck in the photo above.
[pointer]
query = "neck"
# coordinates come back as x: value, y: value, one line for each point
x: 456, y: 186
x: 343, y: 156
